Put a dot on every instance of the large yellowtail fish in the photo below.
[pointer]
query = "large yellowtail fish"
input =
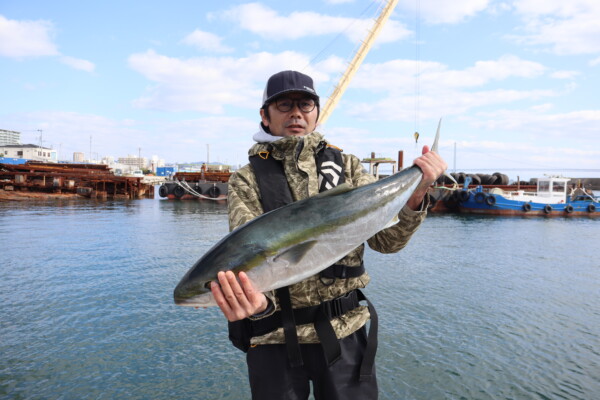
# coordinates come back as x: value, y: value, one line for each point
x: 291, y: 243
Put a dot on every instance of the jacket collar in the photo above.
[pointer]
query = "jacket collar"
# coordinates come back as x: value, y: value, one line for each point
x: 281, y: 146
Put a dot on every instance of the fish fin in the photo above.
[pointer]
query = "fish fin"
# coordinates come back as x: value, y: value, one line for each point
x: 339, y: 189
x: 434, y: 147
x: 393, y: 222
x: 292, y: 255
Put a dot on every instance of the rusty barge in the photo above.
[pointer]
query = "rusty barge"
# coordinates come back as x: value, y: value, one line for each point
x: 40, y: 180
x: 209, y: 183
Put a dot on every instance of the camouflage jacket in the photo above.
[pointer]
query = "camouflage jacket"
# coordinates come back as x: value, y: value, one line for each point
x: 298, y: 156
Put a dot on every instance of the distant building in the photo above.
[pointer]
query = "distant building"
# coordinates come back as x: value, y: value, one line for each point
x: 29, y: 152
x: 78, y: 157
x: 156, y: 163
x: 9, y: 137
x: 136, y: 162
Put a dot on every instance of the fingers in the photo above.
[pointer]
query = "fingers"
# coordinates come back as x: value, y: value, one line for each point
x: 233, y: 301
x: 257, y: 299
x: 431, y: 164
x: 215, y: 288
x: 236, y: 301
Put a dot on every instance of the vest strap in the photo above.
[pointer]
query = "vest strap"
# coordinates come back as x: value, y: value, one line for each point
x: 366, y: 366
x: 306, y: 315
x: 321, y: 315
x: 343, y: 271
x: 289, y: 327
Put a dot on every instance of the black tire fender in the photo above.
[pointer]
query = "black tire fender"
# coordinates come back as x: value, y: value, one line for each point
x: 213, y: 192
x: 479, y: 197
x: 178, y: 192
x: 163, y: 191
x: 463, y: 196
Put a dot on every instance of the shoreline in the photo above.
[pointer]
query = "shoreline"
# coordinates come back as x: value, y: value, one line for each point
x: 7, y: 195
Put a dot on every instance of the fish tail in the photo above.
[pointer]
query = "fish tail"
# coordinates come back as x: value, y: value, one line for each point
x: 437, y: 138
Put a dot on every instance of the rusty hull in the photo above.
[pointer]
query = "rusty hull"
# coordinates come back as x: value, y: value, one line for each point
x: 88, y: 180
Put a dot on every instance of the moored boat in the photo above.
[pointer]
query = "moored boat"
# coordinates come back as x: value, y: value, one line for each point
x: 206, y: 184
x: 550, y: 199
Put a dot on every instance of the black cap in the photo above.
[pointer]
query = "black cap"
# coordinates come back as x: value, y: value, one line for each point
x: 287, y: 82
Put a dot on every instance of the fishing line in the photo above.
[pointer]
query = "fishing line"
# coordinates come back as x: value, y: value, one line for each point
x: 417, y: 70
x: 350, y: 24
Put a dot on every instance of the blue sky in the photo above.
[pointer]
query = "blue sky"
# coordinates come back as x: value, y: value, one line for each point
x: 515, y: 81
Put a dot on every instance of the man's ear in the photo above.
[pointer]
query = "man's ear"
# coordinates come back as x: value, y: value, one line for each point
x: 263, y: 117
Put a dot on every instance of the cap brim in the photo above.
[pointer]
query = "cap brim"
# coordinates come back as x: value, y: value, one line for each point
x: 275, y: 96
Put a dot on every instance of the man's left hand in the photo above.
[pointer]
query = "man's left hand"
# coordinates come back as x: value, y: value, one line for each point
x: 237, y: 299
x: 433, y: 166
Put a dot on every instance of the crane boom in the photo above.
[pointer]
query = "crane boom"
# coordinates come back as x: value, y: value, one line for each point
x: 357, y: 60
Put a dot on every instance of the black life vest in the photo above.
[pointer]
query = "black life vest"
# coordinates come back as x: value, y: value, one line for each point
x: 272, y: 181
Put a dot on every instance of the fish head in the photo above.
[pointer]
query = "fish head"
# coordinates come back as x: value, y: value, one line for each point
x: 193, y: 292
x: 194, y: 289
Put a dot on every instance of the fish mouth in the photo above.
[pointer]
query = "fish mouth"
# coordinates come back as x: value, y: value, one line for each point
x: 197, y: 294
x: 202, y: 300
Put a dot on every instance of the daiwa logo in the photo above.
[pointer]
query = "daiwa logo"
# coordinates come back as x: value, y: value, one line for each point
x: 330, y: 172
x: 309, y: 89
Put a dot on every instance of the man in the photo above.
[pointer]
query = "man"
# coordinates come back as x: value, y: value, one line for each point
x: 313, y: 330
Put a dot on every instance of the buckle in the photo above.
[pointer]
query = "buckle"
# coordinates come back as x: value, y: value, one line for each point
x: 337, y: 307
x: 340, y: 305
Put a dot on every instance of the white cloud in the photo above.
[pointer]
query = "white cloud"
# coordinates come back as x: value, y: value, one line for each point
x: 445, y: 12
x: 441, y: 91
x: 564, y: 74
x: 566, y: 27
x: 20, y: 39
x: 268, y: 23
x: 448, y: 102
x: 229, y: 137
x: 77, y: 63
x: 575, y: 129
x: 594, y: 62
x: 208, y: 84
x: 399, y: 76
x: 206, y: 41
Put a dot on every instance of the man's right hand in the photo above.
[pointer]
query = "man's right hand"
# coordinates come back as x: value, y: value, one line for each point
x: 237, y: 299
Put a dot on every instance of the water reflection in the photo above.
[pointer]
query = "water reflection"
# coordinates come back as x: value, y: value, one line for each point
x: 194, y: 206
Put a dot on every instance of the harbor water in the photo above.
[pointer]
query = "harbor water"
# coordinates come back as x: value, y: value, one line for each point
x: 473, y: 308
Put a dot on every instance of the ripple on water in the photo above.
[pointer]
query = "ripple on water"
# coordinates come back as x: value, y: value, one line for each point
x: 472, y: 308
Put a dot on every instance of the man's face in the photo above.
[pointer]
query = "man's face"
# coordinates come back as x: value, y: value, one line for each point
x: 296, y: 121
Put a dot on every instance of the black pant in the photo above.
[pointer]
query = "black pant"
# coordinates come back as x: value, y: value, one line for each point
x: 272, y: 378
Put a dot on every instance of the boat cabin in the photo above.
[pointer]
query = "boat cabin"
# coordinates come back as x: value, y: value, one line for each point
x: 554, y: 188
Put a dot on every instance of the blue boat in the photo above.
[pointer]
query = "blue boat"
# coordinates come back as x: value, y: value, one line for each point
x: 550, y: 199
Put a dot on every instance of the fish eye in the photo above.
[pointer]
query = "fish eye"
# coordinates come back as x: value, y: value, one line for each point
x: 207, y: 285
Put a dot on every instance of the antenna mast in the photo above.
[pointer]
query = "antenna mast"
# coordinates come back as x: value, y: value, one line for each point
x: 359, y: 56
